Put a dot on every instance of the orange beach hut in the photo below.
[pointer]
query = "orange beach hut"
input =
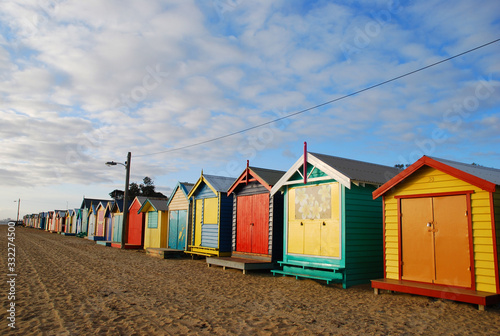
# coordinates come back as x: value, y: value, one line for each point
x: 441, y: 229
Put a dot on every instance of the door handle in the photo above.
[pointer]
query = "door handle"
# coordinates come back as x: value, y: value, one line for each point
x: 429, y: 224
x: 301, y: 224
x: 251, y: 224
x: 324, y: 224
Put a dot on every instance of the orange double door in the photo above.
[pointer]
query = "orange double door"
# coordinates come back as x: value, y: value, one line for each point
x: 435, y: 240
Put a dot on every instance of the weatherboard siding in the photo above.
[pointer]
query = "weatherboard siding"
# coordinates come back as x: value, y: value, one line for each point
x: 426, y: 181
x: 225, y: 223
x: 363, y: 235
x: 496, y: 212
x: 179, y: 201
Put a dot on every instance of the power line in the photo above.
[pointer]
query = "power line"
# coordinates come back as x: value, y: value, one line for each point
x: 322, y: 104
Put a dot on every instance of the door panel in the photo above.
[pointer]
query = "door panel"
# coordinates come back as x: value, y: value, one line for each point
x: 182, y: 229
x: 197, y: 221
x: 260, y: 227
x: 417, y: 240
x: 312, y: 237
x: 243, y: 223
x: 173, y: 223
x: 452, y: 241
x: 211, y: 211
x: 295, y: 229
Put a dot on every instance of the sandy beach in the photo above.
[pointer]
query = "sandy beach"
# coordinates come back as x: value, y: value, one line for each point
x: 71, y: 286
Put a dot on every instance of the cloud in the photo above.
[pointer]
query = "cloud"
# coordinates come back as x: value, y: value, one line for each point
x: 84, y: 82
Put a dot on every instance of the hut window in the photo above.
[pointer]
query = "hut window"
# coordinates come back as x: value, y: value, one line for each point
x: 152, y: 219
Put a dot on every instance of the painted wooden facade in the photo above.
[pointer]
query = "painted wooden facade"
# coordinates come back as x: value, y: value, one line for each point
x: 49, y: 222
x: 257, y: 228
x: 179, y: 216
x: 441, y: 223
x: 92, y: 220
x: 100, y: 228
x: 135, y: 227
x: 155, y: 211
x: 60, y: 220
x: 332, y: 226
x: 211, y: 227
x: 85, y: 209
x: 117, y: 221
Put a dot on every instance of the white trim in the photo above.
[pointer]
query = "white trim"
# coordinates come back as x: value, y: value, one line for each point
x: 318, y: 164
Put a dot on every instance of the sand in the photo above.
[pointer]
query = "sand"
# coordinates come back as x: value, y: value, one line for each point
x: 71, y: 286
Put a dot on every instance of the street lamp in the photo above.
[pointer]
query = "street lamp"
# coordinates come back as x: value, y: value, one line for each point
x: 125, y: 195
x: 18, y: 206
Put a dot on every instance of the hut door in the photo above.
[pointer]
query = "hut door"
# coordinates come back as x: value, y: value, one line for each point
x: 314, y: 220
x: 252, y: 226
x: 435, y: 240
x: 177, y: 229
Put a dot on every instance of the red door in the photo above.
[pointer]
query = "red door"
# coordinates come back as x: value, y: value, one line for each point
x: 135, y: 225
x: 252, y: 224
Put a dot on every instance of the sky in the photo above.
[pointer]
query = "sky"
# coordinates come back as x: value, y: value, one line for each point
x: 85, y: 82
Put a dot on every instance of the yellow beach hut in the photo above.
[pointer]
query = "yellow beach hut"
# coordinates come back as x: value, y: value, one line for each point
x: 441, y: 223
x: 156, y: 219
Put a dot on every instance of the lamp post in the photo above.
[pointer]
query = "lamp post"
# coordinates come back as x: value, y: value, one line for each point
x: 18, y: 206
x: 125, y: 195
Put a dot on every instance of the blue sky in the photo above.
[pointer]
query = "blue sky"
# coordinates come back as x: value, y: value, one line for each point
x: 84, y: 82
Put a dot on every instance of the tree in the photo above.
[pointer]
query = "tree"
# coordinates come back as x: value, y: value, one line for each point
x: 116, y: 194
x: 146, y: 188
x: 401, y: 166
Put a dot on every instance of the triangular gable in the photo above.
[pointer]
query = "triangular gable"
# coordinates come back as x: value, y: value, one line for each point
x: 139, y: 200
x: 433, y: 163
x: 314, y: 165
x: 158, y: 204
x: 184, y: 187
x: 251, y: 174
x: 199, y: 184
x: 146, y: 206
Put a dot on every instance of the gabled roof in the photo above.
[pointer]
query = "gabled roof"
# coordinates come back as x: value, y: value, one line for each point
x: 139, y: 199
x: 216, y: 183
x: 118, y: 205
x: 159, y: 204
x: 345, y: 171
x: 87, y: 202
x: 266, y: 177
x: 185, y: 187
x: 481, y: 177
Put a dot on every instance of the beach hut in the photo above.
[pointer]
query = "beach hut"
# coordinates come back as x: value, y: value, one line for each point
x: 76, y: 220
x: 85, y: 208
x: 135, y: 225
x: 332, y: 226
x: 43, y: 220
x: 100, y: 229
x: 211, y: 226
x: 92, y: 220
x: 49, y: 221
x: 155, y: 211
x: 60, y: 220
x: 179, y: 216
x: 108, y: 225
x: 441, y: 223
x: 117, y: 222
x: 257, y: 228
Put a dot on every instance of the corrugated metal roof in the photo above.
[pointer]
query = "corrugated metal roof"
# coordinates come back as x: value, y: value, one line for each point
x: 359, y: 170
x: 219, y: 183
x: 489, y: 174
x: 269, y: 175
x: 160, y: 204
x: 187, y: 186
x: 87, y: 202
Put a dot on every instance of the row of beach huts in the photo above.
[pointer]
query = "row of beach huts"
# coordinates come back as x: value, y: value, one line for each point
x: 431, y: 229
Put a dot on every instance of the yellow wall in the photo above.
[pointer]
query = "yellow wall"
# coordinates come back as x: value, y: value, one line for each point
x: 428, y: 180
x: 156, y: 238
